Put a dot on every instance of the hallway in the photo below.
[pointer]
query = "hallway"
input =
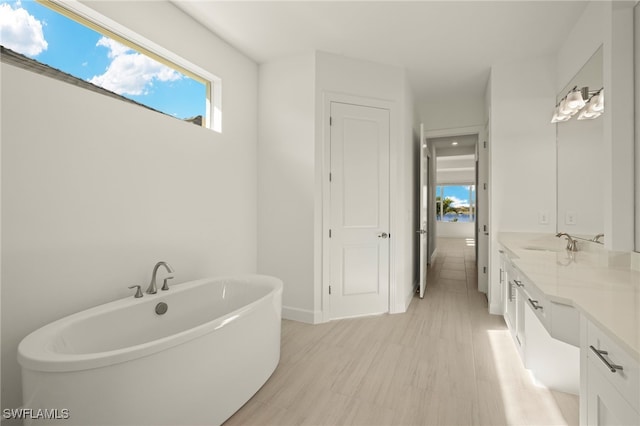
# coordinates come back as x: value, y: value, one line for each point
x: 446, y: 361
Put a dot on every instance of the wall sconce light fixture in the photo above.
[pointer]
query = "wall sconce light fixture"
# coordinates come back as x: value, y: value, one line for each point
x: 590, y: 104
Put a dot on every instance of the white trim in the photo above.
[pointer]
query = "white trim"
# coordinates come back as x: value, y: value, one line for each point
x: 327, y: 98
x: 434, y: 256
x: 410, y: 297
x: 213, y: 120
x: 300, y: 315
x: 454, y: 131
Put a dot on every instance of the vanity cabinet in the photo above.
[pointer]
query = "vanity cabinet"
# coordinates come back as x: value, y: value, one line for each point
x: 510, y: 281
x: 553, y: 361
x: 546, y: 333
x: 610, y: 393
x: 574, y: 324
x: 510, y: 296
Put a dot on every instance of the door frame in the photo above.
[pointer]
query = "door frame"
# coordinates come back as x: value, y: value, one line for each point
x: 327, y: 99
x: 463, y: 131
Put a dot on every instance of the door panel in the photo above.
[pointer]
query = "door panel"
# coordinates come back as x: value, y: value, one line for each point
x: 360, y: 169
x: 359, y: 212
x: 358, y: 276
x: 424, y: 211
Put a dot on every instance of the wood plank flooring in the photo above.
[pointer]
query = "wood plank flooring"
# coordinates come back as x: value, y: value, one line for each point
x: 445, y: 361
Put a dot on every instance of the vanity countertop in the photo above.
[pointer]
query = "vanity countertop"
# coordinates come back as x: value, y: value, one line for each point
x: 601, y: 284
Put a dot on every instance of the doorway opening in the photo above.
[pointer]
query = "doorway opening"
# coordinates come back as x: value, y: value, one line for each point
x: 454, y: 191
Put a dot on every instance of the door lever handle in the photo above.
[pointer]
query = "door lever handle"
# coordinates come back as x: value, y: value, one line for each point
x: 383, y: 235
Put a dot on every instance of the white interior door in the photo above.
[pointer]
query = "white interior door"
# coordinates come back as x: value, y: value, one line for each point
x: 424, y: 210
x: 359, y: 212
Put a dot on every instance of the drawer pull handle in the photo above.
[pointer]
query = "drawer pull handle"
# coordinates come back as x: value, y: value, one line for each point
x: 518, y: 283
x: 534, y: 304
x: 612, y: 367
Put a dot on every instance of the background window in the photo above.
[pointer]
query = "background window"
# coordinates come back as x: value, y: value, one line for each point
x: 101, y: 58
x: 456, y: 203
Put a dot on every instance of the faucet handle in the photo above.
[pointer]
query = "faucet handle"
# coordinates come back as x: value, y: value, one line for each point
x: 138, y: 291
x: 165, y: 284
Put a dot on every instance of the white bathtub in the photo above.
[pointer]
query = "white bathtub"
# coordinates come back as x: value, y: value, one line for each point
x: 122, y: 364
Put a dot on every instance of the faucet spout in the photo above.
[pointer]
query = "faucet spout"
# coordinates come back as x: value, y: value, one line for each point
x: 596, y: 239
x: 153, y: 289
x: 572, y: 245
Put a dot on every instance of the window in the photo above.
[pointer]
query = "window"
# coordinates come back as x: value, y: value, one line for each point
x: 456, y: 203
x: 74, y: 42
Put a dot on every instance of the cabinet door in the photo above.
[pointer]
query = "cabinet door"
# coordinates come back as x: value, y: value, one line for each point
x: 510, y: 297
x: 520, y: 307
x: 605, y: 405
x: 510, y: 306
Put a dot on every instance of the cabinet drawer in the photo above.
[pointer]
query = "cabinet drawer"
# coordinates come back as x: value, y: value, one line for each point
x: 538, y: 303
x: 622, y: 371
x: 565, y: 323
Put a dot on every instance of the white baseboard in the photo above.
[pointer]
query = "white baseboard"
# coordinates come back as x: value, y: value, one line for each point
x: 409, y: 298
x: 433, y: 256
x: 300, y: 315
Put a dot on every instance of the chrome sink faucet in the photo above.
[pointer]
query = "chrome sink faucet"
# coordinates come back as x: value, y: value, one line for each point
x: 572, y: 245
x: 596, y: 239
x: 152, y: 289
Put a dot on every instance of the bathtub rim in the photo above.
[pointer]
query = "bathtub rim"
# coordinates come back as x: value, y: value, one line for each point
x: 36, y: 353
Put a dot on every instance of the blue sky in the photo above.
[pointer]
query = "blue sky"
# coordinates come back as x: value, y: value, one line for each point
x: 459, y: 194
x: 44, y: 35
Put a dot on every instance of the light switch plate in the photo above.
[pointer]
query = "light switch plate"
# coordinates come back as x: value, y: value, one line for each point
x: 570, y: 218
x: 543, y: 217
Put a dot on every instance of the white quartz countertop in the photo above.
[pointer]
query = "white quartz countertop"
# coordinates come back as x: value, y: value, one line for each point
x: 599, y: 283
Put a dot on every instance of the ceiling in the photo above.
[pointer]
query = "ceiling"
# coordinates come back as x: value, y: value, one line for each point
x: 466, y: 145
x: 447, y: 47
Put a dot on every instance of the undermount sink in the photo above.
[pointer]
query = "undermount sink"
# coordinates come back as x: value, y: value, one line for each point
x: 550, y: 250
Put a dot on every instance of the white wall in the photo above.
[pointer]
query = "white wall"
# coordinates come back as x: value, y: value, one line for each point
x: 609, y: 24
x: 619, y: 127
x: 452, y: 113
x: 286, y: 180
x: 290, y: 158
x: 456, y: 169
x: 523, y: 153
x: 456, y: 176
x: 96, y: 191
x: 456, y: 229
x: 583, y: 40
x: 523, y: 169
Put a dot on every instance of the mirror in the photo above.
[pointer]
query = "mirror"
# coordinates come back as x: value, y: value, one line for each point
x: 580, y: 152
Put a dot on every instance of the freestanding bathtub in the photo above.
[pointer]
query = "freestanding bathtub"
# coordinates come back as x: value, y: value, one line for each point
x: 121, y: 363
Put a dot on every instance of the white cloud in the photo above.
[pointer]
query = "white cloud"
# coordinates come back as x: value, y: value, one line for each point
x: 115, y: 49
x: 131, y: 73
x: 20, y: 31
x: 457, y: 202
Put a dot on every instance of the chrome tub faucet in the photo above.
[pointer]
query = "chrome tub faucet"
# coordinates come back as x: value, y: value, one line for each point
x: 152, y: 289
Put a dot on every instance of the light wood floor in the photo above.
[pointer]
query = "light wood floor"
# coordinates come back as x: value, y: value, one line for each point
x: 444, y: 362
